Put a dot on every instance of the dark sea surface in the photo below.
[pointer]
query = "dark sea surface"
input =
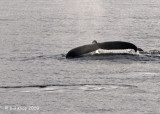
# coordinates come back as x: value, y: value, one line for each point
x: 37, y: 78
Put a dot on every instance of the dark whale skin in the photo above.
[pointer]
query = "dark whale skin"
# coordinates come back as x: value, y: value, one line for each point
x: 76, y: 52
x: 116, y: 45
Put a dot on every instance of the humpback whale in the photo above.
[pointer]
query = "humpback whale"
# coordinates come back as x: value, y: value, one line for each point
x: 113, y: 45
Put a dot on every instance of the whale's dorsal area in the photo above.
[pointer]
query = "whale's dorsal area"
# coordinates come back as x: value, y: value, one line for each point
x: 114, y: 45
x: 76, y: 52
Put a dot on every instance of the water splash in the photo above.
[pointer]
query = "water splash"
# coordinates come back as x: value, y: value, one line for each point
x: 129, y: 54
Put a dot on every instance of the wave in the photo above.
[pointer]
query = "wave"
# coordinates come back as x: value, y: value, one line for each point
x: 152, y: 55
x: 65, y: 85
x: 36, y: 57
x: 68, y: 88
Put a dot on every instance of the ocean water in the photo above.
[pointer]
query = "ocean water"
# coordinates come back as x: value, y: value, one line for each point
x: 37, y: 78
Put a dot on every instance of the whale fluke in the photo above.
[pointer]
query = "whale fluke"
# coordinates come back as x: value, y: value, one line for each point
x: 115, y: 45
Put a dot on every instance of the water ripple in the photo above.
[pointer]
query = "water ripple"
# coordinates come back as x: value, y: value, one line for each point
x: 67, y: 85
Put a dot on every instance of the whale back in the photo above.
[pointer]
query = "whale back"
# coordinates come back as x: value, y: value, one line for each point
x: 117, y: 45
x: 76, y: 52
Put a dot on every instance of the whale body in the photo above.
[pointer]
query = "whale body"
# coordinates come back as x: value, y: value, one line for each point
x: 76, y: 52
x: 114, y: 45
